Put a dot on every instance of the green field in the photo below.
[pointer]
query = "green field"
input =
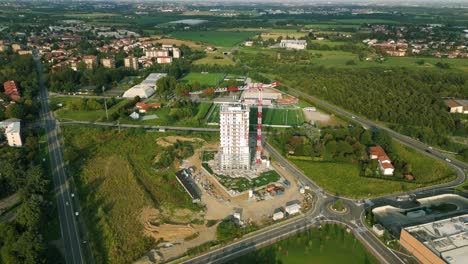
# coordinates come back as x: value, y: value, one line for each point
x: 217, y: 58
x: 343, y: 178
x: 217, y: 38
x: 329, y: 245
x: 205, y: 79
x: 271, y: 116
x: 106, y: 164
x: 83, y: 115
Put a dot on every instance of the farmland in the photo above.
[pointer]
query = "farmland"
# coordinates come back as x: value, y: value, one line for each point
x: 319, y: 245
x: 217, y: 38
x: 205, y: 79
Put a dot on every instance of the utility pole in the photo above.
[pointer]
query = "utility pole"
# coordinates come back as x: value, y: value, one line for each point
x: 105, y: 103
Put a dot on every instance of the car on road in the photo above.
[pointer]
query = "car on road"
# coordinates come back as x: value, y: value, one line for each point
x: 448, y: 160
x: 353, y: 117
x: 77, y: 213
x: 67, y: 204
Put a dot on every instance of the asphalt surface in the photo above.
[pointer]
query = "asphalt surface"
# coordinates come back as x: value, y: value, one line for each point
x: 67, y: 218
x: 164, y: 128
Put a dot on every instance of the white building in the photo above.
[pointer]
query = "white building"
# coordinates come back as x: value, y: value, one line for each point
x: 131, y: 62
x: 297, y: 44
x: 164, y: 59
x: 293, y: 208
x: 11, y: 129
x: 234, y: 152
x: 156, y: 53
x: 146, y: 88
x: 278, y: 215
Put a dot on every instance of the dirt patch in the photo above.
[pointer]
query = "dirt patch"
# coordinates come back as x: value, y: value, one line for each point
x: 151, y: 219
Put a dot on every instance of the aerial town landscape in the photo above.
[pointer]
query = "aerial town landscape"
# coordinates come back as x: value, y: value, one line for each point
x: 233, y: 131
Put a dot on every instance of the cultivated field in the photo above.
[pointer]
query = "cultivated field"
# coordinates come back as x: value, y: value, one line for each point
x: 217, y: 38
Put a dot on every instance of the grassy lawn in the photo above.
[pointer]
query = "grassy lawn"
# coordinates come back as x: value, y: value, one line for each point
x: 105, y: 165
x: 344, y: 179
x: 328, y: 245
x: 203, y: 110
x: 217, y: 58
x: 205, y: 79
x: 217, y: 38
x: 83, y: 115
x: 214, y: 116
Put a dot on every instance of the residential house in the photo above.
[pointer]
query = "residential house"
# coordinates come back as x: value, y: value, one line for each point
x: 11, y: 90
x: 457, y: 105
x: 90, y: 61
x: 108, y: 62
x: 143, y: 108
x: 11, y: 129
x: 164, y: 59
x: 385, y: 164
x: 131, y: 62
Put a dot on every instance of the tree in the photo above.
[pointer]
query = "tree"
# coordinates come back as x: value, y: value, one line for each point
x: 15, y: 111
x: 227, y: 229
x: 338, y: 205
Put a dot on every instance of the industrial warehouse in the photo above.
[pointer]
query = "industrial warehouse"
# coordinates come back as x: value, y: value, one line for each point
x: 438, y: 242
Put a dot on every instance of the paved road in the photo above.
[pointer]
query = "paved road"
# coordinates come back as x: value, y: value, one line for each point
x: 165, y: 128
x: 67, y: 218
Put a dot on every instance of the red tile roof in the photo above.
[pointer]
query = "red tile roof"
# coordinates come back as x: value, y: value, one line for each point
x: 11, y: 90
x: 143, y: 106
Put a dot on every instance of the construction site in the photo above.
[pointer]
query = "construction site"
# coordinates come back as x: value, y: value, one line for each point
x: 231, y: 179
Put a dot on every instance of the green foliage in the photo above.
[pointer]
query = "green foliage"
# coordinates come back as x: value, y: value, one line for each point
x: 330, y: 244
x: 338, y: 205
x: 228, y: 229
x: 110, y: 164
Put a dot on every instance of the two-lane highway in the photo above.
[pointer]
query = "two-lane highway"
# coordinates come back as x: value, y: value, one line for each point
x: 67, y: 218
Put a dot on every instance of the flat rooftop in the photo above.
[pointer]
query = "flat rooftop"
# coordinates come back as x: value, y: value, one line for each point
x: 447, y: 238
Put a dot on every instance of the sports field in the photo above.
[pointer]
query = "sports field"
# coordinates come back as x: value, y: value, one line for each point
x: 205, y: 79
x: 217, y: 38
x: 271, y: 116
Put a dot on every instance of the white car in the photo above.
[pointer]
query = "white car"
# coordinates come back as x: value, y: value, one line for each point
x: 77, y: 213
x: 447, y: 160
x: 353, y: 117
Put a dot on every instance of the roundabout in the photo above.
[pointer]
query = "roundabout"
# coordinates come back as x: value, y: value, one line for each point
x: 338, y: 207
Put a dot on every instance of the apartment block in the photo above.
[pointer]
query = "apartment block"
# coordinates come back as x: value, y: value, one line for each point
x: 234, y: 151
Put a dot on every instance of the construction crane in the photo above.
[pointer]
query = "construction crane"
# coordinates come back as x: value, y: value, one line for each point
x: 259, y: 87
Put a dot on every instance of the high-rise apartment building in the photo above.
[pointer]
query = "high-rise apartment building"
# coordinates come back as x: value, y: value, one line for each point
x: 234, y: 151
